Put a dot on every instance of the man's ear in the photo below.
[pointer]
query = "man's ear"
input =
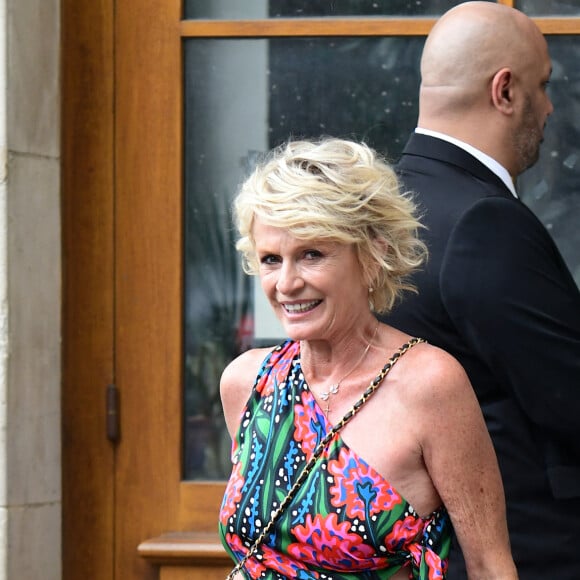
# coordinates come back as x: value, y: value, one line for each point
x: 502, y: 91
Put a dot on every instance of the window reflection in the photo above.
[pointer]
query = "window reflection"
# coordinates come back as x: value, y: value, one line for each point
x: 552, y: 187
x: 350, y: 87
x: 243, y: 97
x: 225, y: 123
x: 552, y: 8
x: 254, y: 9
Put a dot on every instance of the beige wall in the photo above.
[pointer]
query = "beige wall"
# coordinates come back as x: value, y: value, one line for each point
x: 30, y: 290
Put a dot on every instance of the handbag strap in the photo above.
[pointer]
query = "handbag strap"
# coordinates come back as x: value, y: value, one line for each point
x: 374, y: 385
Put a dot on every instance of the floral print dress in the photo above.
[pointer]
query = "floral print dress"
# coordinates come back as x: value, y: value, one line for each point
x: 346, y: 521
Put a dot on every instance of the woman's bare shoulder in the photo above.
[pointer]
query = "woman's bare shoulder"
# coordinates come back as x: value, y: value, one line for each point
x: 236, y: 383
x: 243, y: 368
x: 435, y: 375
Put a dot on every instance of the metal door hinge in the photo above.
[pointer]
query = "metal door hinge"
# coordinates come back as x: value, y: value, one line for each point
x: 113, y: 427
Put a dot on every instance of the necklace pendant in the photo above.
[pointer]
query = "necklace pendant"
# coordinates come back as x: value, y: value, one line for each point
x: 331, y: 391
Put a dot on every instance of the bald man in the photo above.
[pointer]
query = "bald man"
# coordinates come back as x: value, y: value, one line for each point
x: 496, y: 292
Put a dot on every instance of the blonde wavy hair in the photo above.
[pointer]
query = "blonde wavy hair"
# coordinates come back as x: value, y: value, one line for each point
x: 342, y: 191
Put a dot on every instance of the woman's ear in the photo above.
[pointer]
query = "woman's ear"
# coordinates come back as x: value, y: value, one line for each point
x: 502, y: 91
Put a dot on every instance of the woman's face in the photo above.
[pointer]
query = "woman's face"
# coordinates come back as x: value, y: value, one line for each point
x: 316, y: 288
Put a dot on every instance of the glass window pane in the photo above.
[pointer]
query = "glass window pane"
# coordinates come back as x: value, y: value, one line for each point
x: 255, y: 9
x: 552, y: 187
x: 243, y: 97
x: 551, y: 8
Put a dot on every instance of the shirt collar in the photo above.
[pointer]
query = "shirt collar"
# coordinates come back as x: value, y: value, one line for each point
x: 488, y: 161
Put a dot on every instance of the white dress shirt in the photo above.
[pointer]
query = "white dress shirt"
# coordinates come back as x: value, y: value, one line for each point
x: 490, y: 163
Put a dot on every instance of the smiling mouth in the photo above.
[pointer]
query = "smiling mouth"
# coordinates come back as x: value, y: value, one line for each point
x: 302, y: 307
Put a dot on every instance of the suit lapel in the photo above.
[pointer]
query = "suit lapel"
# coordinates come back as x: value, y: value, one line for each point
x: 439, y: 150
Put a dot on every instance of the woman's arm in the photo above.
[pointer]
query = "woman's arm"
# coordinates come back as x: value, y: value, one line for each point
x: 462, y: 464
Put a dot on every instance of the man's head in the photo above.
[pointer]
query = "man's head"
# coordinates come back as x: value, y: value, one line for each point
x: 485, y: 68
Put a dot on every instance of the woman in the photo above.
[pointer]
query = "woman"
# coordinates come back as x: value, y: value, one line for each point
x: 333, y: 240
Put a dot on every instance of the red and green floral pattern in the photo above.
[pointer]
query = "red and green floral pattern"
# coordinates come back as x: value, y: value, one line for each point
x: 346, y: 522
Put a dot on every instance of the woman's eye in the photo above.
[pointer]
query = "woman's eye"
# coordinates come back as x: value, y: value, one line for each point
x: 269, y: 259
x: 312, y: 254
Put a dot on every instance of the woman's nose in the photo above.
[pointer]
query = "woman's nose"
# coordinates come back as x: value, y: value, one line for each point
x: 289, y: 279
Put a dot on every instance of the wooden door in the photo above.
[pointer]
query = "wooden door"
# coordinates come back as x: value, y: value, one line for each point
x: 127, y: 513
x: 122, y: 199
x: 121, y: 204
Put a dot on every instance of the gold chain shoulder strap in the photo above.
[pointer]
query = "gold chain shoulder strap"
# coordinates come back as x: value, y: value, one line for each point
x: 374, y: 385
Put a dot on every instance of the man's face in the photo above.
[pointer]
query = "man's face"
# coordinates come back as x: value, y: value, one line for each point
x: 537, y: 107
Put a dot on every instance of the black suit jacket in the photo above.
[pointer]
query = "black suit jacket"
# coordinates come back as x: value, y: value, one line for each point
x: 497, y: 294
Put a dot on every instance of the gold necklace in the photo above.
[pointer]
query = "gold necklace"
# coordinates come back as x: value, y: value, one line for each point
x: 335, y: 387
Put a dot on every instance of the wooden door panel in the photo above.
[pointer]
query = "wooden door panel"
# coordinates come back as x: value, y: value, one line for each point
x: 193, y: 573
x: 147, y: 276
x: 88, y: 458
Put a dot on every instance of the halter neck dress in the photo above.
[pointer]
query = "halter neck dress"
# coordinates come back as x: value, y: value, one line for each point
x: 346, y: 521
